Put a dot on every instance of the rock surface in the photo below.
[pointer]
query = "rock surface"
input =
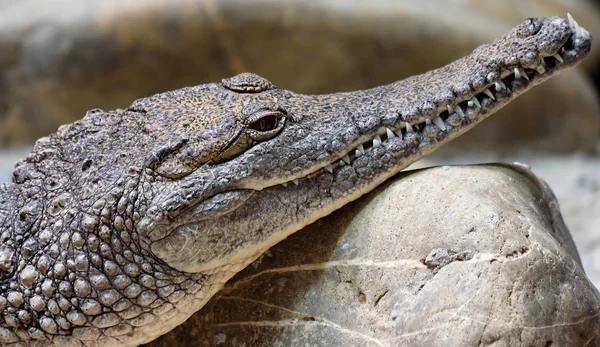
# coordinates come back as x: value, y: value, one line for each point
x: 464, y: 256
x: 58, y: 61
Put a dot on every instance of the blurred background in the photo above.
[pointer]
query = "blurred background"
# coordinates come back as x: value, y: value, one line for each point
x: 58, y: 59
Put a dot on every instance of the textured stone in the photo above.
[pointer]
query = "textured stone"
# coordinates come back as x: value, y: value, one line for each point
x: 480, y: 257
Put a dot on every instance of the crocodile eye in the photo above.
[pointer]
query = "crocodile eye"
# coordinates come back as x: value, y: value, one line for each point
x: 267, y: 123
x: 260, y: 126
x: 264, y: 125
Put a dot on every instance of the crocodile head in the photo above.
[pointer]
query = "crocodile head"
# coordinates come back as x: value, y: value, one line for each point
x: 248, y: 164
x: 121, y: 225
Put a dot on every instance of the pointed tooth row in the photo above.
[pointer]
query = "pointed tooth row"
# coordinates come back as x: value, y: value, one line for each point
x: 398, y: 133
x: 488, y: 93
x: 459, y: 111
x: 390, y: 134
x: 377, y: 141
x: 499, y: 86
x: 519, y: 75
x: 361, y: 149
x: 437, y: 121
x: 440, y: 123
x: 571, y: 21
x: 474, y: 101
x: 558, y: 57
x: 346, y: 159
x: 540, y: 69
x: 574, y: 26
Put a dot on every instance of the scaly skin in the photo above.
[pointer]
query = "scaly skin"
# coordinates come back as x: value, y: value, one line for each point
x: 118, y: 227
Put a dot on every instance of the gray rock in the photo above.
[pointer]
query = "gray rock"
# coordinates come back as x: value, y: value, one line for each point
x: 454, y: 256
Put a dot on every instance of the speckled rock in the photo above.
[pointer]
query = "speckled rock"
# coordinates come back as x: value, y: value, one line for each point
x: 57, y: 61
x: 459, y: 256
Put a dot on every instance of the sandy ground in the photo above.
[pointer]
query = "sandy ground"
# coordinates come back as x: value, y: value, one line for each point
x: 574, y: 178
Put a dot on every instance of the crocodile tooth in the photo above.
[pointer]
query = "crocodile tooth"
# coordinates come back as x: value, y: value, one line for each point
x: 450, y: 110
x: 377, y: 141
x: 361, y: 149
x: 540, y: 69
x: 562, y: 50
x: 357, y: 153
x: 475, y: 101
x: 284, y: 184
x: 517, y: 73
x: 295, y: 181
x: 329, y: 168
x: 390, y: 134
x: 559, y: 58
x: 346, y: 159
x: 409, y: 128
x: 578, y: 32
x: 398, y: 133
x: 427, y: 121
x: 571, y: 21
x: 488, y: 93
x: 440, y: 123
x: 499, y: 86
x: 459, y: 110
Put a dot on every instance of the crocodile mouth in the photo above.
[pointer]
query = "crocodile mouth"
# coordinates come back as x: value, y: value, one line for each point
x: 451, y: 120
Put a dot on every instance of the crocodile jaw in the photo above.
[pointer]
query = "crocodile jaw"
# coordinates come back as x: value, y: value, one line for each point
x: 362, y: 163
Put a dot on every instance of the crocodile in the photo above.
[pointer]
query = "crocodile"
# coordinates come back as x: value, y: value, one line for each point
x: 118, y: 227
